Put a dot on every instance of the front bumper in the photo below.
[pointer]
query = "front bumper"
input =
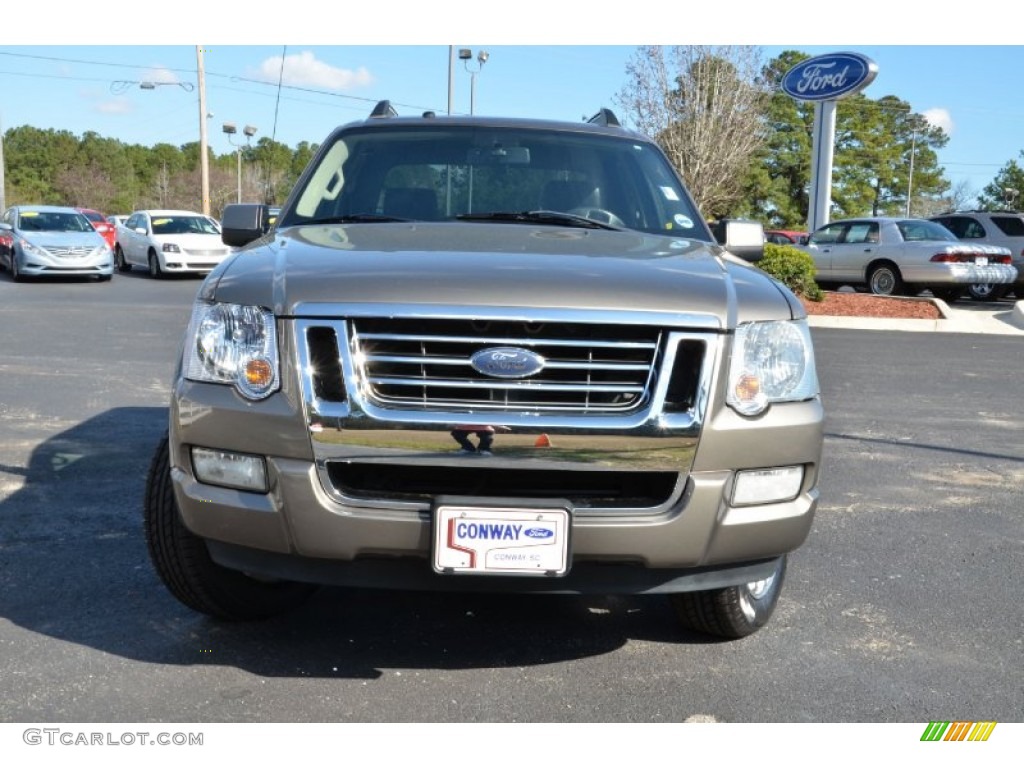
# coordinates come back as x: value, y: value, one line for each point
x: 351, y: 485
x: 39, y: 265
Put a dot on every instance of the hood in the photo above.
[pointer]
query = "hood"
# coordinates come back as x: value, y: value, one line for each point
x: 498, y: 265
x: 48, y: 240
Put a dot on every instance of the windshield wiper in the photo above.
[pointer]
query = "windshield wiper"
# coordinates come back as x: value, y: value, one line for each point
x: 539, y: 217
x: 355, y: 218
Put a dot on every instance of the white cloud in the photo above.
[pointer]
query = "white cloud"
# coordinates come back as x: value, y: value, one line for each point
x: 160, y: 75
x: 115, y: 106
x: 303, y: 69
x: 940, y: 118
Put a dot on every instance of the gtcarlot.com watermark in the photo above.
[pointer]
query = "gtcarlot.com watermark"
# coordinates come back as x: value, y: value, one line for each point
x: 59, y: 737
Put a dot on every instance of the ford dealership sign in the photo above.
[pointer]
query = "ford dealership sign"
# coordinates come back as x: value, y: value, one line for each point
x: 829, y: 77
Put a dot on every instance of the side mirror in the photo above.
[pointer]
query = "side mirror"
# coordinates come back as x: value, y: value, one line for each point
x: 741, y: 238
x: 241, y: 223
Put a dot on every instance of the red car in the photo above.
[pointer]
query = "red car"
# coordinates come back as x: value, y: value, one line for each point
x: 101, y: 225
x: 785, y: 237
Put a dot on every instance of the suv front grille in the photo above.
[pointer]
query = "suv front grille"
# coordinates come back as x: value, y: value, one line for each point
x: 425, y: 364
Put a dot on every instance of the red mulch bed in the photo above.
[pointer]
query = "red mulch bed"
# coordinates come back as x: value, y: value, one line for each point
x: 867, y: 305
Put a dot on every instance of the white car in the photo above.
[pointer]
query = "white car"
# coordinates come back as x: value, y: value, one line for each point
x: 166, y: 242
x: 895, y: 256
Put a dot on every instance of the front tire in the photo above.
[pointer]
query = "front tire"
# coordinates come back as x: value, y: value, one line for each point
x: 154, y: 265
x: 119, y: 261
x: 16, y: 275
x: 183, y: 562
x: 731, y: 612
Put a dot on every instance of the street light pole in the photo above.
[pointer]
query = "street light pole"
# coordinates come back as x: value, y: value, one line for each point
x: 481, y: 57
x: 231, y: 130
x: 466, y: 55
x: 204, y: 160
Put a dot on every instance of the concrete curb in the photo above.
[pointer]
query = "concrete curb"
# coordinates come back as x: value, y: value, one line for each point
x: 1008, y: 323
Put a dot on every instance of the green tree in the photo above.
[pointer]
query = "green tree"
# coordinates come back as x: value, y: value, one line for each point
x: 1005, y: 190
x: 776, y: 188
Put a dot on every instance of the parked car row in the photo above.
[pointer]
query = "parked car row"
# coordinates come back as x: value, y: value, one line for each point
x: 40, y: 241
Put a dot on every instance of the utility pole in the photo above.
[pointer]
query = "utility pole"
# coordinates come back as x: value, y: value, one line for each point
x: 204, y: 160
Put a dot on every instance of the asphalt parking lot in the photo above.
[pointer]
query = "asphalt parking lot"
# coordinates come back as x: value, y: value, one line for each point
x: 903, y: 606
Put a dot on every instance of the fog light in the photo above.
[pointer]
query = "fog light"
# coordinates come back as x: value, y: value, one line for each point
x: 766, y: 486
x: 231, y: 470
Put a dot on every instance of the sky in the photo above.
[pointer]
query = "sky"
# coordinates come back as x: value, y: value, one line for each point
x: 561, y: 61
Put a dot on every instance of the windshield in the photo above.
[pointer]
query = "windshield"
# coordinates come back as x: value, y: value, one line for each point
x: 184, y: 225
x: 449, y: 173
x: 53, y: 221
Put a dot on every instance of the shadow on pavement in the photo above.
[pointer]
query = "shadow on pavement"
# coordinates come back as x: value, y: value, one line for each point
x: 74, y: 567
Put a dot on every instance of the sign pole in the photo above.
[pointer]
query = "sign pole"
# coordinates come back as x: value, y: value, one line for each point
x: 822, y: 150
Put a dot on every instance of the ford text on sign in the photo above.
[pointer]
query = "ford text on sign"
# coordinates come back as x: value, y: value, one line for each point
x: 828, y: 77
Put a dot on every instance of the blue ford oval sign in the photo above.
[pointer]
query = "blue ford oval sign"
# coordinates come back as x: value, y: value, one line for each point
x: 829, y: 77
x: 506, y: 362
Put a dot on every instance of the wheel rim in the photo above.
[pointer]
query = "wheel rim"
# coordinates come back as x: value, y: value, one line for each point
x: 883, y: 282
x: 753, y: 591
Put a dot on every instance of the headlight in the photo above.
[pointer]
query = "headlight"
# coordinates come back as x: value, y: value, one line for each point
x: 100, y: 250
x: 772, y: 362
x: 170, y: 248
x: 35, y: 250
x: 233, y: 344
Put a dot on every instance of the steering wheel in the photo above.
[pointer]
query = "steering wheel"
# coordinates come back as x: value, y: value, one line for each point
x: 600, y: 215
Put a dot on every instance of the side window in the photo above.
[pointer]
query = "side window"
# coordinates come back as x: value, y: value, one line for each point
x: 973, y: 230
x: 861, y: 232
x: 828, y: 235
x: 1013, y: 226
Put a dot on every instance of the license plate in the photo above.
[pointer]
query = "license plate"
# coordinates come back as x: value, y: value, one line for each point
x: 981, y: 261
x: 507, y: 541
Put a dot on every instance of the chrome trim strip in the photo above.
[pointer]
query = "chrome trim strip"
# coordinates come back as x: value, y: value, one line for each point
x: 510, y: 342
x: 330, y: 310
x: 504, y: 384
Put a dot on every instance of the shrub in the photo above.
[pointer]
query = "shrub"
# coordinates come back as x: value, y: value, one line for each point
x: 793, y: 268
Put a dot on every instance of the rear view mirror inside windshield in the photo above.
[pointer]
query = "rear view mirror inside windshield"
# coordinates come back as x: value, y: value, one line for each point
x: 498, y: 155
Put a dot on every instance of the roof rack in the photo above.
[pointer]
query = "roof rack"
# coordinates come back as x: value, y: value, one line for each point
x: 384, y: 109
x: 605, y: 117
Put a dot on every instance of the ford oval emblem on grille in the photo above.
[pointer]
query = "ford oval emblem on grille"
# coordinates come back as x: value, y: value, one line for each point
x: 506, y: 362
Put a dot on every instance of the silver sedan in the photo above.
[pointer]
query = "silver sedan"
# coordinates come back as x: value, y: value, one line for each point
x: 903, y: 256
